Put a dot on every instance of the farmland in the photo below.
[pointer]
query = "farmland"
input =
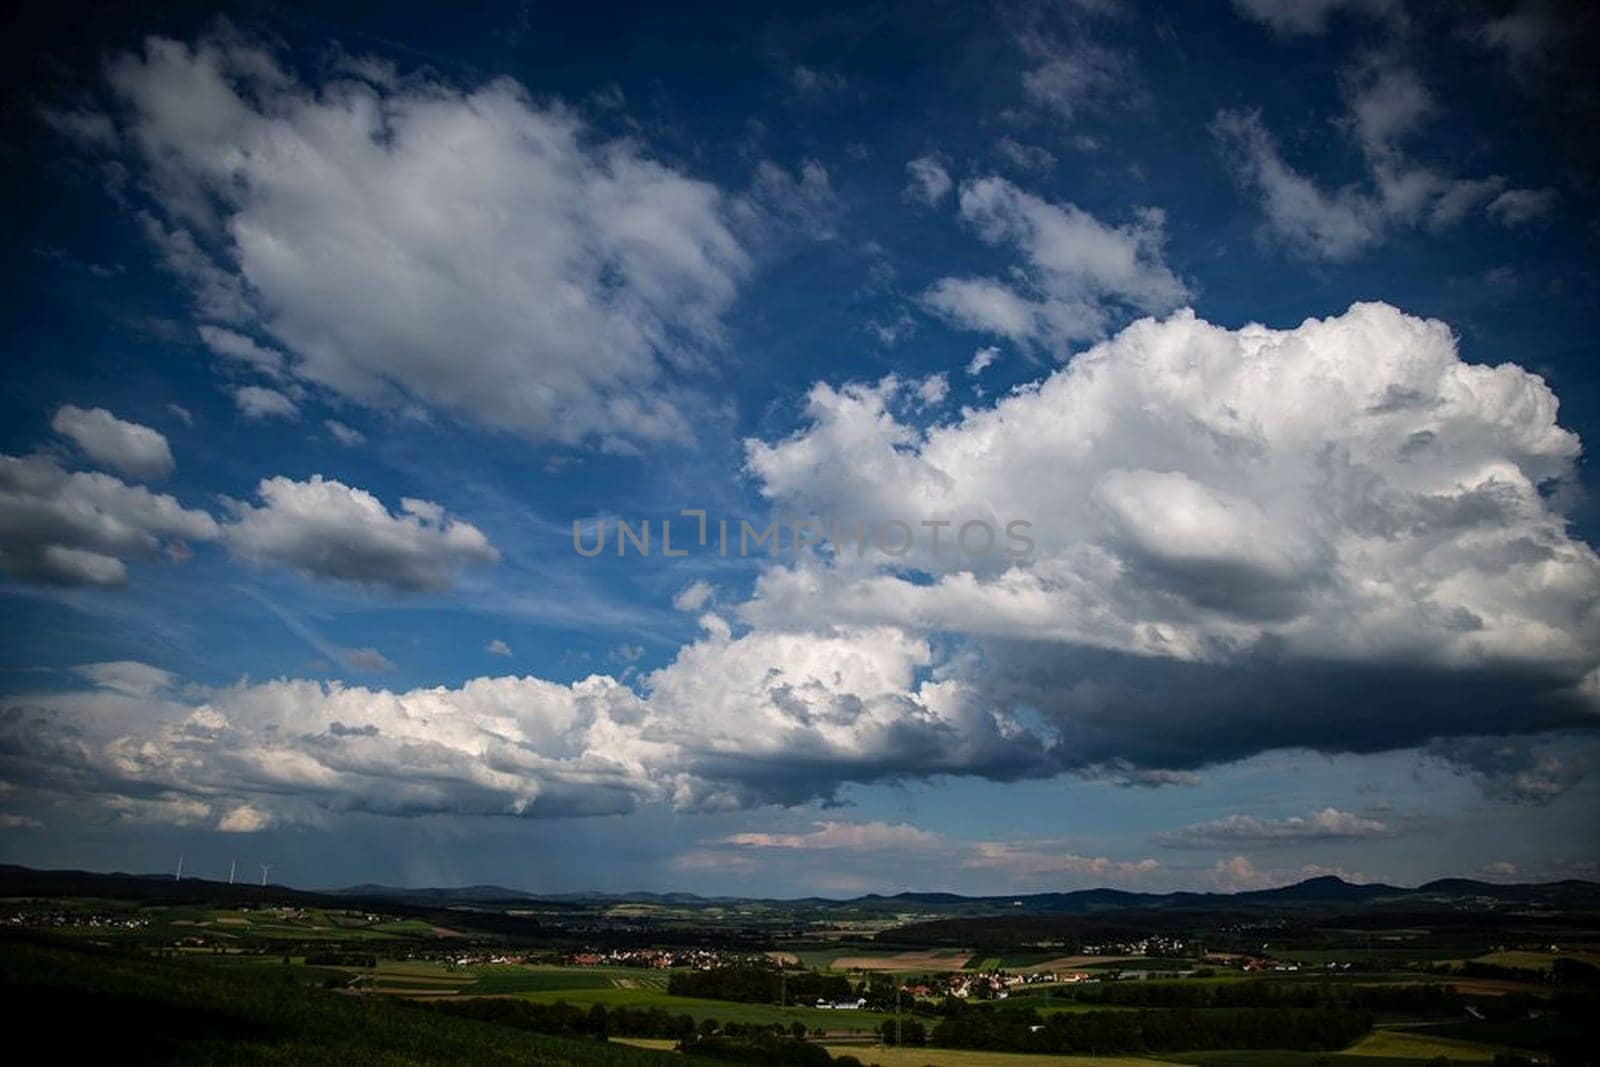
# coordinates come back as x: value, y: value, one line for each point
x: 1271, y: 985
x: 176, y: 1011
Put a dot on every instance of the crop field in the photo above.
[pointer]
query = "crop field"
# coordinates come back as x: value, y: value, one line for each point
x: 822, y: 957
x: 1027, y: 961
x: 1082, y: 963
x: 909, y: 962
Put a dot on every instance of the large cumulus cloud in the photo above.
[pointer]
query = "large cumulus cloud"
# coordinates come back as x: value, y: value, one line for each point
x: 1338, y: 535
x: 493, y: 746
x: 406, y: 241
x: 731, y: 723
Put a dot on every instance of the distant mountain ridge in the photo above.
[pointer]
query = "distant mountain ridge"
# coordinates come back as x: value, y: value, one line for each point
x: 1327, y: 890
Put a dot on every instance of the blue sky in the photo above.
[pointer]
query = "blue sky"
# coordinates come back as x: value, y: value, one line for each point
x: 1273, y: 321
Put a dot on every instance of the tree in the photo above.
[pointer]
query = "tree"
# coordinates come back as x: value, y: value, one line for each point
x: 913, y: 1032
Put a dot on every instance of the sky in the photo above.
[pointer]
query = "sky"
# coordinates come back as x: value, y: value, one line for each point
x: 1171, y: 418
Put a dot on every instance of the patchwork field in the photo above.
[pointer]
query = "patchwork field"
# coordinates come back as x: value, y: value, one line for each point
x: 139, y: 1010
x: 721, y: 1010
x: 917, y: 962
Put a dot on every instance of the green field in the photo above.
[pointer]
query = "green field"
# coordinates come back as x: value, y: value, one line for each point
x: 505, y: 981
x: 244, y: 925
x: 612, y: 986
x: 138, y: 1010
x: 1401, y: 1043
x: 721, y: 1010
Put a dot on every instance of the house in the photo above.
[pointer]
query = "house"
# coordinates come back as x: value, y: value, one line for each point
x: 842, y: 1005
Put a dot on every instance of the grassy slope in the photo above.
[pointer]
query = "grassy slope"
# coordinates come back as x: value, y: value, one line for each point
x: 134, y: 1010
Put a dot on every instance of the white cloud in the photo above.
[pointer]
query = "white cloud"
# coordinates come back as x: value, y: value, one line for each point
x: 406, y: 241
x: 982, y: 359
x: 1074, y: 73
x: 1025, y: 156
x: 1387, y: 104
x: 166, y: 808
x: 989, y: 305
x: 831, y: 834
x: 931, y: 391
x: 927, y: 181
x: 804, y: 202
x: 244, y: 819
x: 514, y: 746
x: 1294, y: 17
x: 244, y: 352
x: 1080, y: 270
x: 1517, y: 207
x: 1180, y: 452
x: 77, y: 528
x: 788, y: 715
x: 732, y: 722
x: 367, y: 659
x: 344, y: 434
x: 1239, y: 873
x: 323, y: 528
x: 258, y: 402
x: 1235, y: 831
x: 1313, y: 223
x: 497, y: 647
x: 1033, y: 861
x: 810, y: 82
x: 1526, y: 34
x: 1255, y: 519
x: 128, y: 676
x: 132, y: 449
x: 694, y: 596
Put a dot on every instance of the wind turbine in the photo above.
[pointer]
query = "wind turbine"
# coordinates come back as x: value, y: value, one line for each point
x: 265, y: 867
